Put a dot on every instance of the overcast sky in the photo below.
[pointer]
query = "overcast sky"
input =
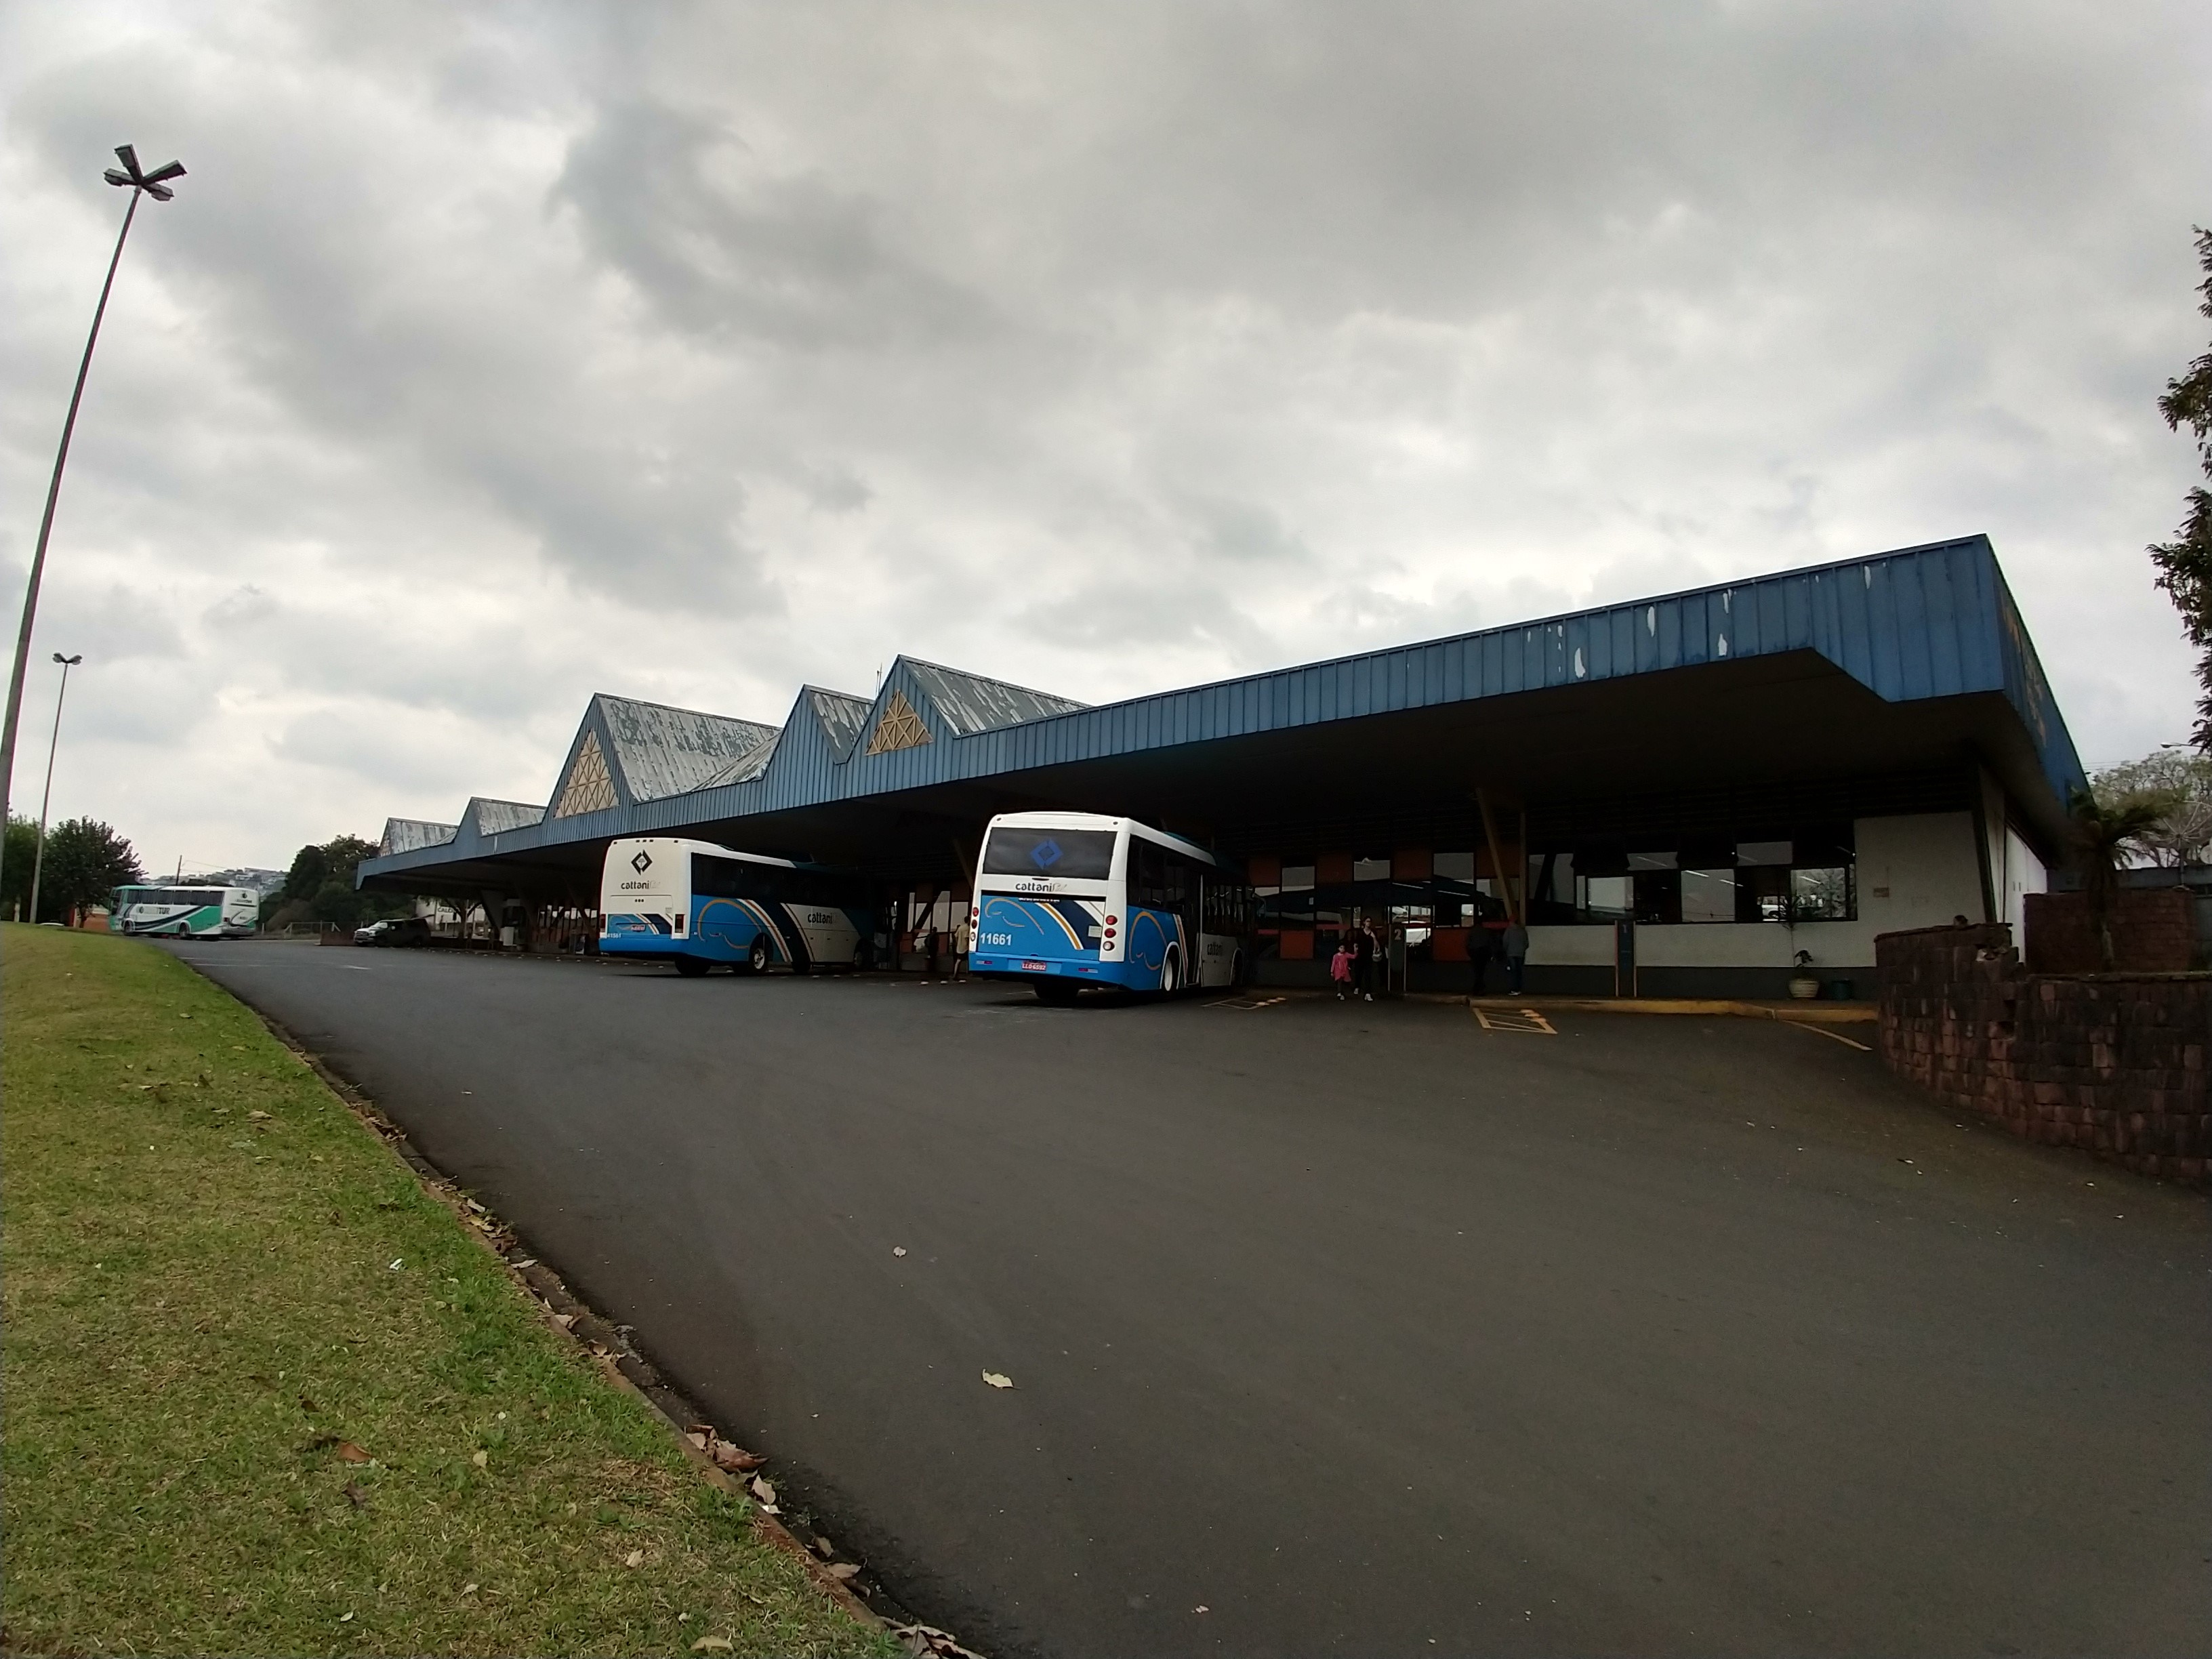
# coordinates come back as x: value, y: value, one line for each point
x: 493, y: 356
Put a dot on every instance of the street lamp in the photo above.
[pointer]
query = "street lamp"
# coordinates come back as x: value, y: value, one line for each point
x: 38, y: 858
x: 130, y: 178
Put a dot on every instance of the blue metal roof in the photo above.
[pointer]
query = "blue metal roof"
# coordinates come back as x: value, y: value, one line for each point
x: 1918, y: 625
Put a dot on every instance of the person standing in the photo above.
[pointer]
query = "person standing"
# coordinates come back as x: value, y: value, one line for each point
x: 1516, y: 942
x: 1362, y: 961
x: 1478, y: 956
x: 1339, y: 970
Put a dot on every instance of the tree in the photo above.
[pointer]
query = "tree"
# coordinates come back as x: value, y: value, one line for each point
x: 311, y: 867
x: 2178, y: 786
x: 86, y: 861
x: 2100, y: 837
x: 319, y: 887
x: 2184, y: 565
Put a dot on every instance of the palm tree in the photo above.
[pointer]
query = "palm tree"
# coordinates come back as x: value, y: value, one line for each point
x: 2102, y: 834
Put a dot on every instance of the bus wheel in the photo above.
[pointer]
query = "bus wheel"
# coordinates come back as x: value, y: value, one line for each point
x: 1055, y: 993
x: 1171, y: 974
x: 757, y: 958
x: 691, y: 967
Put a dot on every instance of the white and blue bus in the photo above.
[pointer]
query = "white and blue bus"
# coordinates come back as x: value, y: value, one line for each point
x: 191, y: 912
x: 1064, y: 900
x: 698, y: 905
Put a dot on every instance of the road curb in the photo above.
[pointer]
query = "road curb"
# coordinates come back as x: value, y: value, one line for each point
x: 1805, y: 1013
x: 608, y: 1347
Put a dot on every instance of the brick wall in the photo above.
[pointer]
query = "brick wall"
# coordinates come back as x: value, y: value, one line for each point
x: 2154, y: 932
x: 2114, y: 1063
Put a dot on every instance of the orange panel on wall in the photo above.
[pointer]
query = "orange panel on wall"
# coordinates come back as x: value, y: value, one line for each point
x: 1297, y: 944
x: 1264, y: 869
x: 1448, y: 945
x: 1333, y: 869
x: 1412, y: 863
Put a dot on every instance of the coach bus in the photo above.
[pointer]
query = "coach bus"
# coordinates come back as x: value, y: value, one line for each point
x: 191, y: 912
x: 1064, y: 900
x: 699, y: 906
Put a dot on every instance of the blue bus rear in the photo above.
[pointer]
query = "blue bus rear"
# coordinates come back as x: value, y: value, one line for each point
x: 1066, y: 900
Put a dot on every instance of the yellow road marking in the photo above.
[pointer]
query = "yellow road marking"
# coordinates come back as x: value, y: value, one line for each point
x: 1242, y: 1006
x: 1833, y: 1036
x: 1515, y: 1019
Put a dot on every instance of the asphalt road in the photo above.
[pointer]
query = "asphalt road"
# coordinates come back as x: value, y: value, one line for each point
x: 1343, y: 1330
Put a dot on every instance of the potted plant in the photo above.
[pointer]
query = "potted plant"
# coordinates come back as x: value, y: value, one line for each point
x: 1804, y: 988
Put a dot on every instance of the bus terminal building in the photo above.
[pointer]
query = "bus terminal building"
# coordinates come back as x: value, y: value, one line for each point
x: 1689, y: 795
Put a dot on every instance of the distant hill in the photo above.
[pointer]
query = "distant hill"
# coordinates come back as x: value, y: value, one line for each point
x: 264, y: 882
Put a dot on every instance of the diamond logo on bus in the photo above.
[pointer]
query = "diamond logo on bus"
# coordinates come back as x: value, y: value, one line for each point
x: 642, y: 862
x: 1045, y: 854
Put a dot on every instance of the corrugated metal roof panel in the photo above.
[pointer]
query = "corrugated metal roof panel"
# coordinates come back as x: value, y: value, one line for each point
x: 841, y: 715
x: 666, y: 751
x: 412, y: 834
x: 745, y: 768
x: 969, y: 703
x: 497, y: 817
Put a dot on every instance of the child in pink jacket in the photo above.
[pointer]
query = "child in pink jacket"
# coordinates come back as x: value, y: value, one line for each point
x: 1339, y: 971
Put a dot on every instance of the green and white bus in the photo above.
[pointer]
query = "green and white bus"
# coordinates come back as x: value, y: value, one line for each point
x: 186, y: 912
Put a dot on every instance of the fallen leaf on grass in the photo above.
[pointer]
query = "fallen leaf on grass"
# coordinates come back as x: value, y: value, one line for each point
x: 763, y: 1489
x: 997, y: 1380
x: 349, y: 1453
x: 634, y: 1559
x: 257, y: 1114
x: 468, y: 1589
x: 482, y: 1459
x: 356, y: 1495
x: 712, y: 1644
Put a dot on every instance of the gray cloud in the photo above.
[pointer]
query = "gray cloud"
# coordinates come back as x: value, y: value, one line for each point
x: 493, y: 356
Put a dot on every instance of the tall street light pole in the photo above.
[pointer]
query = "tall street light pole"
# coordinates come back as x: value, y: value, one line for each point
x: 127, y: 177
x: 38, y: 858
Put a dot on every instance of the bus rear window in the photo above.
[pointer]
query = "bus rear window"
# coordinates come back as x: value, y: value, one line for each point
x: 1071, y: 854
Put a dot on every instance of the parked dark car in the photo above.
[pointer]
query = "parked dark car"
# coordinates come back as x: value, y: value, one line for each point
x: 394, y: 930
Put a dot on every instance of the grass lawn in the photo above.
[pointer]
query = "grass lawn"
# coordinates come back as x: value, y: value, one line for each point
x: 263, y: 1394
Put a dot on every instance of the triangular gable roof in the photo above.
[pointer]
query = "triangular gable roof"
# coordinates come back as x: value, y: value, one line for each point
x: 899, y: 727
x: 412, y: 834
x: 968, y: 703
x: 587, y: 786
x: 660, y: 751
